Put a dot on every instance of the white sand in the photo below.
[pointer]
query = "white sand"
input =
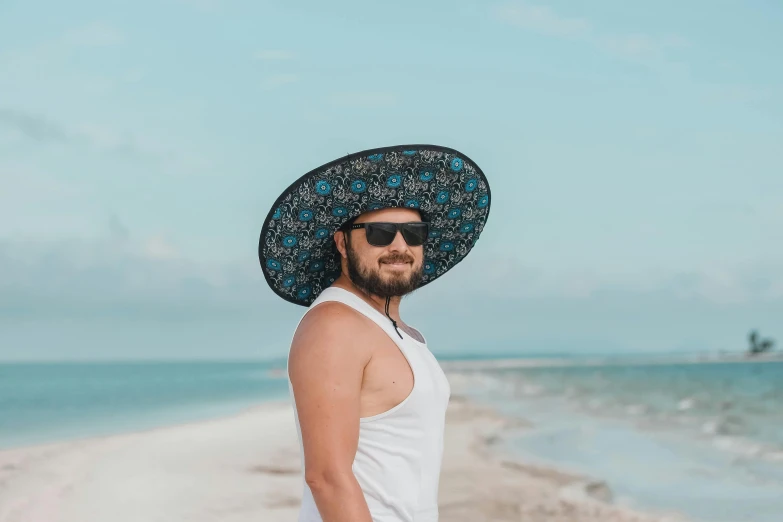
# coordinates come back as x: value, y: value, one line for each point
x: 246, y: 468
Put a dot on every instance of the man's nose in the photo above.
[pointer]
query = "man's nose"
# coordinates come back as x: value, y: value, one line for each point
x: 398, y: 244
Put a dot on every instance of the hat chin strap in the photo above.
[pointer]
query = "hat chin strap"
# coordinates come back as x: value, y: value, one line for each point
x: 388, y: 299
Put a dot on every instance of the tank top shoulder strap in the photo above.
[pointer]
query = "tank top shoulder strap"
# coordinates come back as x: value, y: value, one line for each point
x: 334, y: 293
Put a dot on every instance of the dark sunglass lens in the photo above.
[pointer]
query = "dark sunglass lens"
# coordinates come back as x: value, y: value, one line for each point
x: 415, y: 234
x: 380, y: 234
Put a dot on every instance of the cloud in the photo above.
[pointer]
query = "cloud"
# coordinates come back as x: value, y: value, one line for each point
x: 739, y: 93
x: 59, y: 47
x: 506, y: 277
x: 542, y: 19
x: 366, y: 100
x: 33, y: 126
x: 512, y: 308
x: 98, y: 34
x: 96, y: 137
x: 160, y: 248
x: 635, y: 47
x: 39, y: 128
x: 640, y: 48
x: 279, y: 80
x: 117, y: 229
x: 53, y: 56
x: 275, y: 55
x: 123, y: 278
x: 124, y: 281
x: 133, y: 76
x: 122, y: 143
x: 30, y: 195
x: 204, y: 5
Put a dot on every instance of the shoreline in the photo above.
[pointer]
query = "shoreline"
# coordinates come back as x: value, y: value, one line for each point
x: 247, y: 467
x: 494, y: 485
x: 143, y: 428
x: 603, y: 361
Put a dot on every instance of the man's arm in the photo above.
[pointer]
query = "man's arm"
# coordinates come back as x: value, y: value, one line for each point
x: 326, y: 366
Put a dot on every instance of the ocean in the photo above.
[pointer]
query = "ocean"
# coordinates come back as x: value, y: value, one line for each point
x: 703, y: 439
x: 41, y: 403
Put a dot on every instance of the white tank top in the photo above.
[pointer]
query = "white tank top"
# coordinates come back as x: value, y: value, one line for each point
x: 398, y: 459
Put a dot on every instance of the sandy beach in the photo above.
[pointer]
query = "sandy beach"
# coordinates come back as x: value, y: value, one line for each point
x: 247, y: 468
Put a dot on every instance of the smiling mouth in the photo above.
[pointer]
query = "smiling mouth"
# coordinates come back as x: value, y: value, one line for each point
x: 396, y: 263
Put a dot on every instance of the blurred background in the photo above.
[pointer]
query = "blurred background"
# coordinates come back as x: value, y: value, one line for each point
x: 633, y: 149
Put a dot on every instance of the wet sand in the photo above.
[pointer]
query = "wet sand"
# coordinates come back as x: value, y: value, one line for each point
x: 247, y: 468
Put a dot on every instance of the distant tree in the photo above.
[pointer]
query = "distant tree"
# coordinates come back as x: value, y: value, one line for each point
x: 758, y: 346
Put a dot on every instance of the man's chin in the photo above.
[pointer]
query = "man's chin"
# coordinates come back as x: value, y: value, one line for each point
x: 386, y: 280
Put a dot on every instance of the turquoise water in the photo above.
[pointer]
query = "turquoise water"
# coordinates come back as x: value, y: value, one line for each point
x: 701, y: 439
x: 705, y: 440
x: 41, y: 403
x: 741, y: 400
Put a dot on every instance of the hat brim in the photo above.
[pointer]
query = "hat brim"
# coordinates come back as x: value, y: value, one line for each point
x: 296, y: 250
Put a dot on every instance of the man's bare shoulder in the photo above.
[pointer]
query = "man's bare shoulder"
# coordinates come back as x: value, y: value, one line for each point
x: 332, y: 318
x: 333, y: 330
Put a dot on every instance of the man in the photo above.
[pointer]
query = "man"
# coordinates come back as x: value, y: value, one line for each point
x: 349, y: 240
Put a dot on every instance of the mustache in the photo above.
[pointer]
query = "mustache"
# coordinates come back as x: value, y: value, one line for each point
x: 400, y: 258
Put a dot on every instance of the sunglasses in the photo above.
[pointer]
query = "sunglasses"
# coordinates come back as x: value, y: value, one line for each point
x: 381, y: 234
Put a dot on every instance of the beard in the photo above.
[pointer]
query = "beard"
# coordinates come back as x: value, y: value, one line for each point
x: 370, y: 280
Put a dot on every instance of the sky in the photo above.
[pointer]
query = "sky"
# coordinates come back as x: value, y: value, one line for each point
x: 633, y: 152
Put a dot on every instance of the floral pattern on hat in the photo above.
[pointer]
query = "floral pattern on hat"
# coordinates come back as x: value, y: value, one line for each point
x: 296, y: 249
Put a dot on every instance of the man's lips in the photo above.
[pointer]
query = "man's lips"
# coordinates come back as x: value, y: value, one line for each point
x: 396, y: 263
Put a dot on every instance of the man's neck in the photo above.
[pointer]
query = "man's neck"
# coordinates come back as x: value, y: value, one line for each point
x: 377, y: 302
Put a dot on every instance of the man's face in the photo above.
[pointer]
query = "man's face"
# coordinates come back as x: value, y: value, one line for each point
x: 390, y: 271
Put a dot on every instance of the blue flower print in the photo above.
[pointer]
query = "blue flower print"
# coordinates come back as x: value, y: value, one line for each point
x: 394, y: 181
x: 323, y: 187
x: 447, y: 188
x: 358, y: 186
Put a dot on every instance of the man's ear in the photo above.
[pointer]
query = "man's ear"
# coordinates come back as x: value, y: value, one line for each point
x: 339, y: 240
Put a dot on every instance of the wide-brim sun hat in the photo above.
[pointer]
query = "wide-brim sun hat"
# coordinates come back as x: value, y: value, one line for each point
x: 296, y: 248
